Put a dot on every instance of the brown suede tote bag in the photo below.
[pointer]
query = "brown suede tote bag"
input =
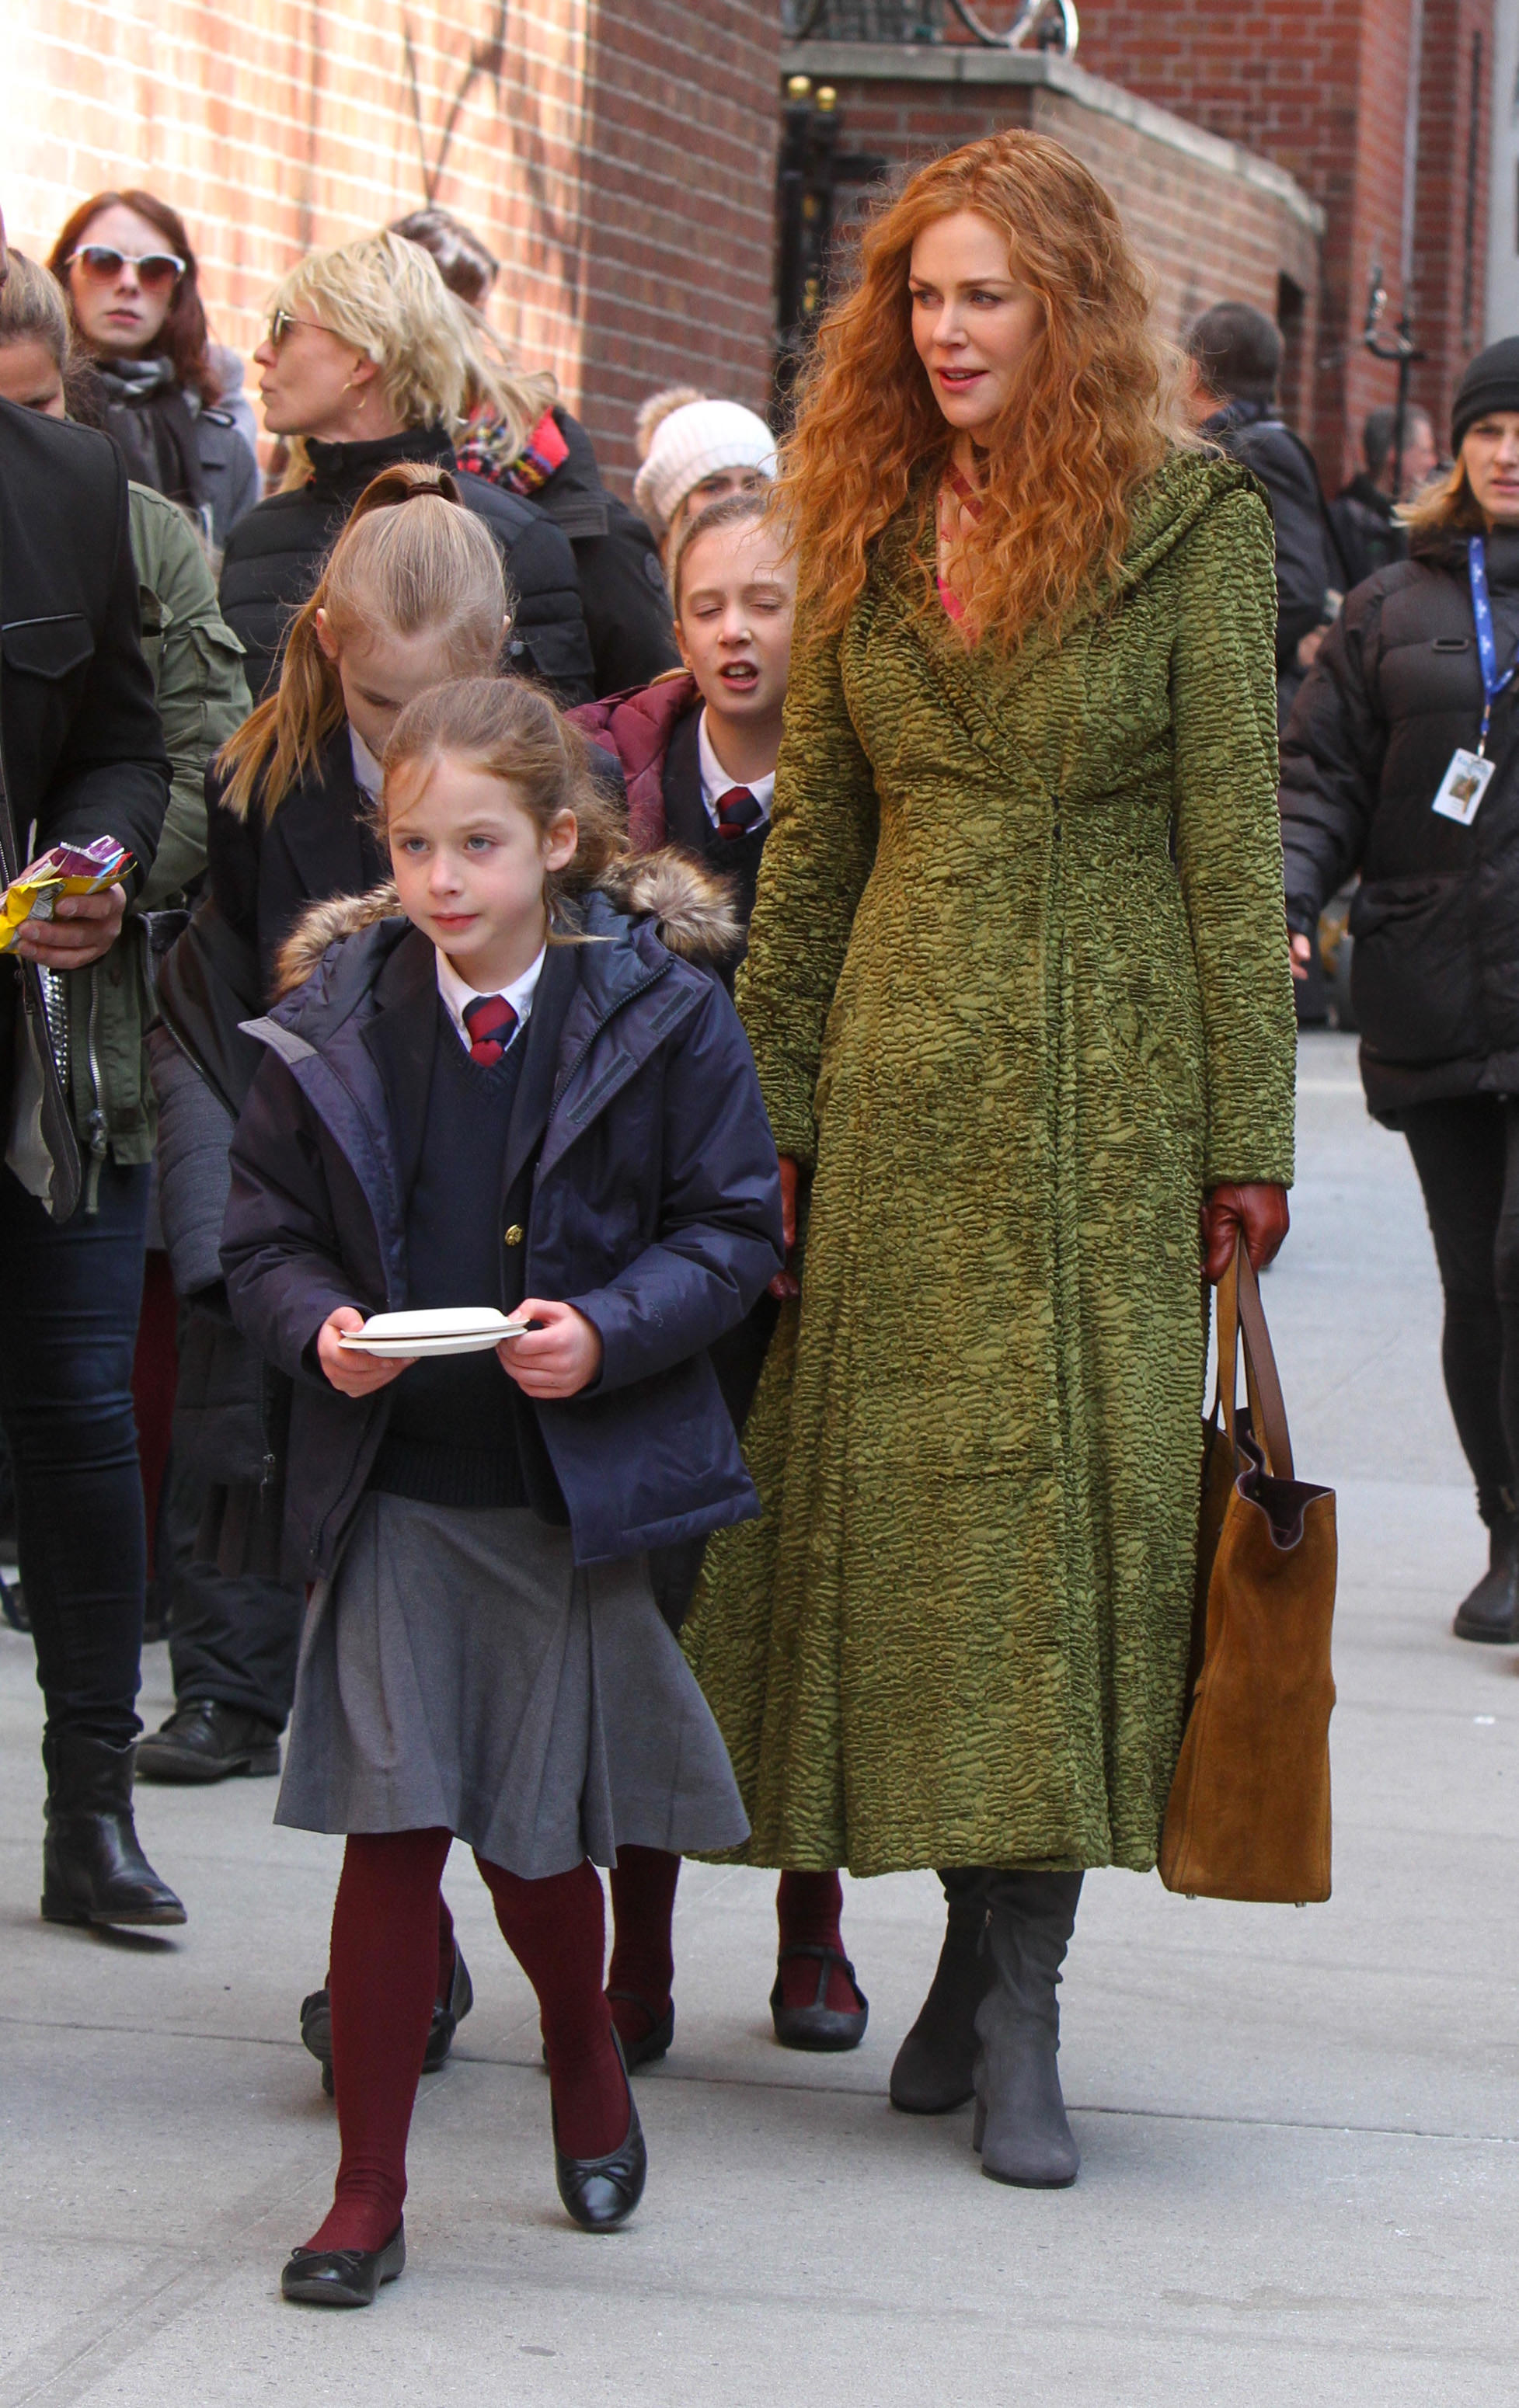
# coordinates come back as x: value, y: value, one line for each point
x: 1249, y: 1811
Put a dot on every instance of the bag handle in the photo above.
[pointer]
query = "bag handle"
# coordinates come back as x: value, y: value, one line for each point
x: 1241, y: 1319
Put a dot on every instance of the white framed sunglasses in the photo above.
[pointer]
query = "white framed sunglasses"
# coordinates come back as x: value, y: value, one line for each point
x: 156, y: 270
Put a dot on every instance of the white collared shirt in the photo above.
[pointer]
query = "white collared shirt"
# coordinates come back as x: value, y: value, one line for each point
x: 456, y: 995
x: 716, y: 782
x: 367, y: 773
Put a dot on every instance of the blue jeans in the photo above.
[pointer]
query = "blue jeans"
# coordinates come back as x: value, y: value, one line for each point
x: 69, y: 1298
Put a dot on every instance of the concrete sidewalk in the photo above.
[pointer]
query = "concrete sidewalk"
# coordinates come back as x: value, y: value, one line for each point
x: 1300, y: 2179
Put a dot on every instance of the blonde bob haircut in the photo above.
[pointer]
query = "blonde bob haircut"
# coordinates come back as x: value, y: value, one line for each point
x: 411, y: 559
x: 1093, y: 413
x: 439, y: 359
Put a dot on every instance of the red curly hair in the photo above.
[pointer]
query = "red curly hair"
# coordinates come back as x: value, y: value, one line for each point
x: 1093, y: 414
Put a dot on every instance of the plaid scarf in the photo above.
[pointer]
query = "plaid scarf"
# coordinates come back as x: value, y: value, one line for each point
x: 486, y: 451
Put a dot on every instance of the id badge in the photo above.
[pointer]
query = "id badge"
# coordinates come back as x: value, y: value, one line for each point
x: 1463, y: 786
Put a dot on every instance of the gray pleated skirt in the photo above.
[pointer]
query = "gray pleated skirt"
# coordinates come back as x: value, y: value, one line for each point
x: 458, y: 1672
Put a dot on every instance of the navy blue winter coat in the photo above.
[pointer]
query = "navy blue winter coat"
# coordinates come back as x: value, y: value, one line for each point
x: 654, y: 1199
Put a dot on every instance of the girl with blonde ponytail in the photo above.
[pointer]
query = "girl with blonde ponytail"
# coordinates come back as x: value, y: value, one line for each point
x: 412, y: 594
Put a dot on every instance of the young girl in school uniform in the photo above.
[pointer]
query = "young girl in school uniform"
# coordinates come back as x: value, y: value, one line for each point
x: 495, y: 1084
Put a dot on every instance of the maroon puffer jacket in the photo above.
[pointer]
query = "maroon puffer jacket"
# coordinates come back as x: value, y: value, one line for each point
x: 637, y: 728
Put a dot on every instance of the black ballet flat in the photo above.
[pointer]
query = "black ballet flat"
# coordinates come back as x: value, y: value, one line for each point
x: 656, y: 2040
x: 819, y: 2026
x: 601, y: 2193
x: 342, y: 2278
x: 448, y: 2014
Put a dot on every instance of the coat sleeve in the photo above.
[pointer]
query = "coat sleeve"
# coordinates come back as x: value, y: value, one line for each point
x: 720, y: 1238
x: 1332, y: 755
x: 202, y: 696
x: 1300, y: 532
x: 112, y: 776
x: 548, y: 627
x: 1228, y: 844
x: 817, y: 858
x: 280, y: 1254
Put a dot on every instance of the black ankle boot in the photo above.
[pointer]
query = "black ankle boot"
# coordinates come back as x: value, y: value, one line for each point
x: 935, y: 2067
x: 1491, y: 1613
x: 1021, y: 2128
x: 93, y: 1870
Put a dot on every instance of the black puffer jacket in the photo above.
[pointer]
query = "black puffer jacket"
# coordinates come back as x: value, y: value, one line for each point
x: 1396, y: 688
x: 275, y: 553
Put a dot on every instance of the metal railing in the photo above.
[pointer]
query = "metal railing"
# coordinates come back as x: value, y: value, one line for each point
x: 998, y: 25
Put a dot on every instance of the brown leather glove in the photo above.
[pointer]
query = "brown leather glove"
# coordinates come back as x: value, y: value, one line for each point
x: 1259, y: 1210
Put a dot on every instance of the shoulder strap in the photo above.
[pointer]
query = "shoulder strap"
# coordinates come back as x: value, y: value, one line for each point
x: 1241, y: 1319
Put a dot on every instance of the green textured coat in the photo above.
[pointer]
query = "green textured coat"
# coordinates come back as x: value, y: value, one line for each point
x: 1018, y: 986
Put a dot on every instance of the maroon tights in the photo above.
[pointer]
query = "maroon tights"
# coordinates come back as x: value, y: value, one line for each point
x: 387, y: 1953
x: 808, y: 1909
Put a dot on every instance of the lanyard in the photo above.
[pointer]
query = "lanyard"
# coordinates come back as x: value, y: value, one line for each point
x: 1493, y: 685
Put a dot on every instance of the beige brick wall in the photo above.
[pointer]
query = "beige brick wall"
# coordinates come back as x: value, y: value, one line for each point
x: 617, y: 154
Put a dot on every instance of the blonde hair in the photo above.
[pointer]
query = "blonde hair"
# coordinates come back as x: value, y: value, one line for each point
x: 32, y: 310
x: 1095, y: 412
x: 438, y: 358
x: 512, y: 732
x: 1447, y: 504
x: 734, y: 509
x: 410, y: 558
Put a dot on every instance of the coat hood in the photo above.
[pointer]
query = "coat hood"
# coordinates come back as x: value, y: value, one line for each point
x: 690, y: 906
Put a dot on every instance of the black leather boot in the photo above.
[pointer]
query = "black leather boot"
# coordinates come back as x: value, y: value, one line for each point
x: 1021, y: 2128
x: 935, y: 2067
x: 93, y: 1870
x: 206, y: 1740
x: 1491, y: 1613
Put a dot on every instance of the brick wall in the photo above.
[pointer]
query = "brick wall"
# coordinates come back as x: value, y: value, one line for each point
x: 617, y: 154
x: 1205, y: 216
x: 1322, y: 86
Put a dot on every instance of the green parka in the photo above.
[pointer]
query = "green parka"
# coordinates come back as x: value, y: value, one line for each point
x: 1018, y: 989
x: 196, y: 665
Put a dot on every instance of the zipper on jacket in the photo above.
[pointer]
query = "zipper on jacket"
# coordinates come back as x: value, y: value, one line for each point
x: 607, y: 1018
x: 97, y: 1123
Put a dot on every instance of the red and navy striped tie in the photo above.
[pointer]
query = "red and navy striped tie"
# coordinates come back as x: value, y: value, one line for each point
x: 738, y: 811
x: 490, y: 1020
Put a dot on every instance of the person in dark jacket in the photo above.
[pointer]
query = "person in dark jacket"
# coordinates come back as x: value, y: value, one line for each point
x: 1235, y: 355
x: 519, y: 437
x: 1364, y: 516
x: 484, y: 1658
x: 124, y: 260
x: 1380, y: 775
x: 412, y: 594
x: 369, y: 361
x: 81, y: 756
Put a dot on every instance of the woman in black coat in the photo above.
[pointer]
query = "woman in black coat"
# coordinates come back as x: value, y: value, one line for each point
x: 1378, y: 777
x: 368, y: 361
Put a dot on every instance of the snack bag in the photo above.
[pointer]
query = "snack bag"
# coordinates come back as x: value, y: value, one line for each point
x: 66, y: 869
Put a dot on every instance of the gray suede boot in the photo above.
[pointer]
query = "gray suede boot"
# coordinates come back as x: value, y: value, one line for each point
x: 1021, y: 2128
x: 935, y: 2066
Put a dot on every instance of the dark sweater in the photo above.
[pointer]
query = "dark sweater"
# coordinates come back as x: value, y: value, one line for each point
x: 451, y: 1435
x: 688, y: 825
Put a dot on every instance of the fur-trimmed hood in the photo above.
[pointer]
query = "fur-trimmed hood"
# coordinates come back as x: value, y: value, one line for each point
x: 691, y: 906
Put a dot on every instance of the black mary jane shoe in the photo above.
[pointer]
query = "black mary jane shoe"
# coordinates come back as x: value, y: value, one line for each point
x: 342, y: 2278
x: 601, y: 2193
x: 819, y: 2026
x: 448, y: 2014
x: 656, y: 2040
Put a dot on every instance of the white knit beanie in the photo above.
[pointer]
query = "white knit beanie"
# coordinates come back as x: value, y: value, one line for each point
x: 694, y: 442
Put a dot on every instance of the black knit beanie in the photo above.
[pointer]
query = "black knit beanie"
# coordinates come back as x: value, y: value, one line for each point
x: 1491, y: 383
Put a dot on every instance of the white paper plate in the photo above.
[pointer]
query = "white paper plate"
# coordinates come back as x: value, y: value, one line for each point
x: 452, y: 1329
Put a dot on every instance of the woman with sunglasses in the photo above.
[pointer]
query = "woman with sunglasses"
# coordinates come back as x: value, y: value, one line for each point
x: 124, y: 260
x: 369, y: 361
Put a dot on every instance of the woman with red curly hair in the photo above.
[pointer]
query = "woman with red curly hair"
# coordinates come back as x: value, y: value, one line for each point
x: 1018, y: 989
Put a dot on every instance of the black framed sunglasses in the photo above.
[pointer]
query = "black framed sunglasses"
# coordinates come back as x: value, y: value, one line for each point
x: 156, y: 270
x: 281, y: 322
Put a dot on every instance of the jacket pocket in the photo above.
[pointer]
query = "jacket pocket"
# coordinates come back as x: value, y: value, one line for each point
x: 1414, y: 979
x: 47, y: 648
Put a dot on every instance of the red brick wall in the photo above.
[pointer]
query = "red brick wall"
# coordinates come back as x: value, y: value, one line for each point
x: 1200, y: 223
x: 618, y: 155
x: 1321, y: 86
